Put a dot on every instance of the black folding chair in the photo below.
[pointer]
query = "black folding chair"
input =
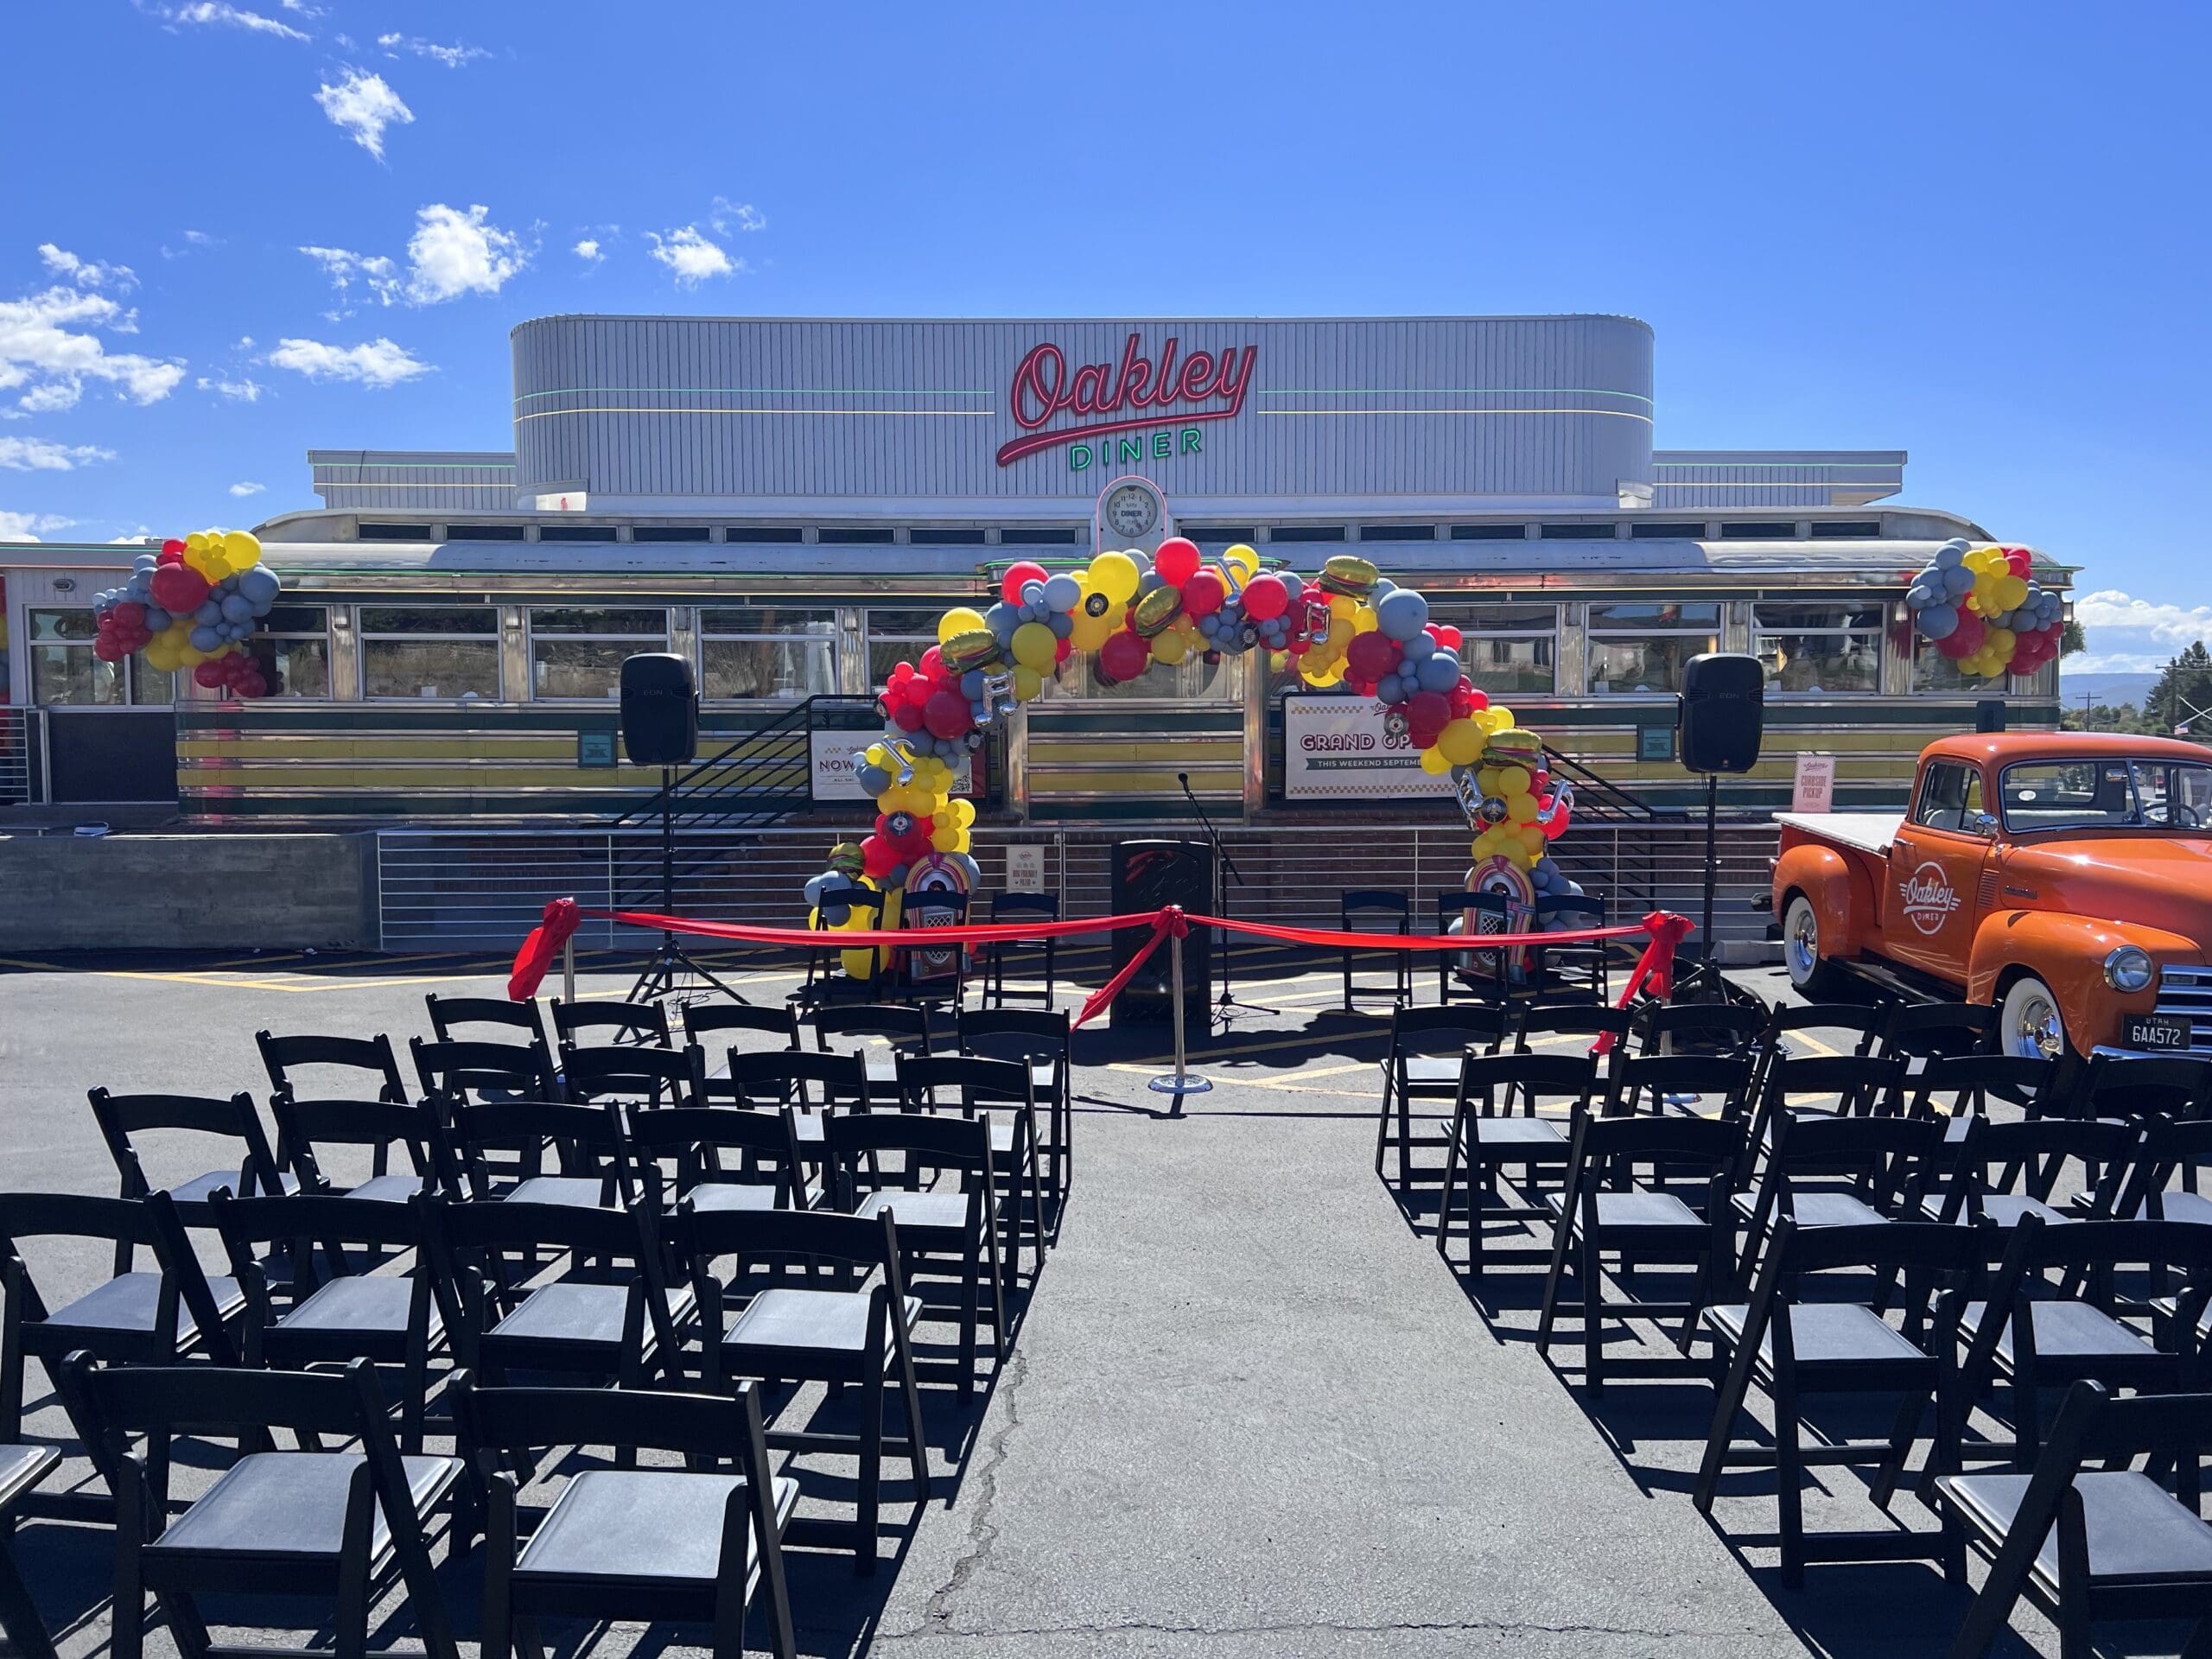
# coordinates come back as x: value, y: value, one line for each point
x: 2132, y: 1087
x: 1008, y: 909
x: 2160, y: 1182
x: 2085, y: 1538
x: 523, y: 1017
x: 897, y: 1028
x: 1482, y: 977
x: 637, y: 1024
x: 22, y: 1468
x: 1571, y: 1028
x: 457, y: 1071
x: 1700, y: 1084
x: 718, y: 1158
x: 1373, y: 910
x: 896, y: 1163
x: 1958, y: 1091
x: 645, y: 1076
x: 695, y: 1545
x: 340, y: 1308
x: 1791, y: 1342
x: 379, y: 1125
x: 1042, y: 1039
x: 1002, y: 1094
x: 365, y: 1065
x: 1837, y: 1172
x: 704, y: 1020
x: 812, y: 1085
x: 1845, y: 1085
x: 1584, y: 967
x: 557, y: 1288
x: 152, y: 1316
x: 1422, y: 1065
x: 492, y: 1138
x: 121, y: 1117
x: 1859, y: 1021
x: 306, y: 1522
x: 2002, y: 1172
x: 854, y: 1327
x: 1930, y: 1031
x: 1602, y: 1210
x: 1720, y: 1030
x: 1489, y: 1134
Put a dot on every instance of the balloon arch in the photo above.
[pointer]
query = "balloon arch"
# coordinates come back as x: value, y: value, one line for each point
x: 1348, y: 627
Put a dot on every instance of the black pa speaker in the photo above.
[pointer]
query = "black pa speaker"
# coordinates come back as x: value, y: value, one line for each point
x: 660, y: 711
x: 1147, y: 874
x: 1722, y: 711
x: 1989, y: 715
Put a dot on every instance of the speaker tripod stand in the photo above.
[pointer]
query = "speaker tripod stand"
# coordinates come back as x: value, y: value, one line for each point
x: 1704, y: 983
x: 670, y: 960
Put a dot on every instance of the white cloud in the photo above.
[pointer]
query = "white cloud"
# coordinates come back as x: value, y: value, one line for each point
x: 246, y: 391
x: 304, y: 9
x: 142, y: 534
x: 242, y: 490
x: 693, y: 256
x: 2120, y: 662
x: 45, y: 347
x: 25, y: 526
x: 344, y: 267
x: 362, y: 106
x: 589, y: 251
x: 44, y: 455
x: 453, y: 253
x: 85, y: 273
x: 194, y: 242
x: 378, y: 363
x: 452, y: 56
x: 729, y: 216
x: 2110, y: 608
x: 219, y: 12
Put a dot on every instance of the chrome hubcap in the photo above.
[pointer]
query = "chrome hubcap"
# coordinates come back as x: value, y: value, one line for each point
x: 1804, y: 944
x: 2036, y: 1031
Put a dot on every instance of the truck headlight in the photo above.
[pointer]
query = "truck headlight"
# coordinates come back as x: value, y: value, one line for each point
x: 2130, y: 969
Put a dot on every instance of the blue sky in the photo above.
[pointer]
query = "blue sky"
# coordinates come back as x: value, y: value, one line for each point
x: 230, y: 229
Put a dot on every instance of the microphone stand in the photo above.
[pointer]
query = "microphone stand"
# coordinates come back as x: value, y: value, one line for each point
x: 1223, y: 866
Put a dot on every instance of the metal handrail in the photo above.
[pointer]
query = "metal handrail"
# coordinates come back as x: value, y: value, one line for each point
x: 1611, y: 795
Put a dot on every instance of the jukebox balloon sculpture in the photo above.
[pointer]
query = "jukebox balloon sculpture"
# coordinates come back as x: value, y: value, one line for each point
x: 192, y: 605
x: 1984, y: 611
x: 1348, y: 627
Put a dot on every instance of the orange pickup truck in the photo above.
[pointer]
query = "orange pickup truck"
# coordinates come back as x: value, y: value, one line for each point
x: 2063, y: 879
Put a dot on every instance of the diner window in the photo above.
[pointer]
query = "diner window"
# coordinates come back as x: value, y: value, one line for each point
x: 576, y: 654
x: 1819, y: 648
x: 1639, y: 649
x: 291, y: 647
x: 767, y: 651
x: 1192, y: 680
x: 1508, y: 650
x: 901, y: 636
x: 435, y: 651
x: 63, y: 670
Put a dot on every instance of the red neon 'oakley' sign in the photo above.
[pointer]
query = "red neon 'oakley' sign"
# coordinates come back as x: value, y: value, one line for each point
x: 1135, y: 394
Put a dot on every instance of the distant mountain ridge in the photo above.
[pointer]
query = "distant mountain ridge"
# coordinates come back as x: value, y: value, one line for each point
x: 2111, y: 689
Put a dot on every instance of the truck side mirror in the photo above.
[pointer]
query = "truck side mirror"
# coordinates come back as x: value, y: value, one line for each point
x: 1982, y: 825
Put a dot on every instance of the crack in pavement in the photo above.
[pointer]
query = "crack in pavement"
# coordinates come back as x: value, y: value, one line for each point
x: 983, y: 1533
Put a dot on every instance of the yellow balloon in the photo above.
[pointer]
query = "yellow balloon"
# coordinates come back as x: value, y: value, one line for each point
x: 241, y: 550
x: 965, y: 812
x: 1092, y: 632
x: 876, y: 755
x: 1242, y: 559
x: 1433, y: 761
x: 945, y: 837
x: 1170, y: 647
x: 191, y: 656
x: 1460, y: 743
x: 958, y: 620
x: 1513, y: 780
x: 1364, y: 621
x: 2012, y: 591
x: 1485, y: 777
x: 1504, y: 717
x: 1034, y: 645
x: 1114, y: 574
x: 1027, y: 682
x: 1520, y: 808
x: 197, y: 542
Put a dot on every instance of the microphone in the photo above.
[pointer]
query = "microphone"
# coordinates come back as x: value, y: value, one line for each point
x: 1183, y: 778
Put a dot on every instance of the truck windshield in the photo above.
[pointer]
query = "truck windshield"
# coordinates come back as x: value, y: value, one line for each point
x: 2108, y: 794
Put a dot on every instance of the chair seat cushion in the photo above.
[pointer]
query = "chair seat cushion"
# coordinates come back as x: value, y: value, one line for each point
x: 1428, y: 1071
x: 733, y: 1195
x: 1524, y: 1133
x: 362, y: 1304
x: 126, y: 1305
x: 1819, y: 1210
x: 387, y: 1189
x: 2182, y: 1207
x: 918, y: 1212
x: 578, y: 1311
x: 611, y: 1526
x: 2138, y: 1534
x: 1636, y: 1210
x: 576, y: 1191
x: 2005, y: 1209
x: 23, y: 1467
x: 290, y: 1506
x: 2066, y: 1331
x: 835, y: 1321
x: 809, y: 1127
x: 1824, y: 1333
x: 196, y: 1190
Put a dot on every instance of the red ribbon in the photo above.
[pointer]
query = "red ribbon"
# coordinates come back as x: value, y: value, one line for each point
x: 1168, y: 924
x: 562, y: 917
x: 1655, y: 967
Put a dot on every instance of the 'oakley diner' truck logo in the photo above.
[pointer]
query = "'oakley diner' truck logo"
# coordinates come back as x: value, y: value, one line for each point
x: 1929, y: 900
x: 1132, y: 396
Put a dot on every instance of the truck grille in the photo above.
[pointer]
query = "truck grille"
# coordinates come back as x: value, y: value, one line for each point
x: 2186, y: 994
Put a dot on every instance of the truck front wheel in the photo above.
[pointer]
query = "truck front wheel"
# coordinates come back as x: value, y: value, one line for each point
x: 1814, y: 978
x: 2029, y: 1024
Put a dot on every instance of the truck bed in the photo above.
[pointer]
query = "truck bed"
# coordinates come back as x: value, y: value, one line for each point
x: 1871, y: 832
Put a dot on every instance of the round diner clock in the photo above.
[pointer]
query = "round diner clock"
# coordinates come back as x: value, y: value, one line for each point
x: 1131, y: 511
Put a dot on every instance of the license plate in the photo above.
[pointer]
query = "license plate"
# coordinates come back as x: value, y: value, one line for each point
x: 2155, y: 1031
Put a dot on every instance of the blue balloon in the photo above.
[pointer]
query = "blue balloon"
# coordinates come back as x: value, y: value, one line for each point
x: 872, y: 780
x: 1400, y: 614
x: 236, y: 608
x: 1032, y: 592
x: 969, y: 868
x: 1209, y: 625
x: 1421, y: 644
x: 814, y: 890
x: 1293, y: 584
x: 1383, y: 586
x: 204, y: 638
x: 1958, y: 579
x: 1147, y: 581
x: 1440, y: 672
x: 209, y: 612
x: 157, y: 618
x: 259, y: 584
x: 1948, y: 556
x: 1060, y: 623
x: 145, y: 561
x: 1939, y: 621
x: 1390, y: 688
x: 1002, y: 619
x: 971, y: 685
x: 1063, y: 591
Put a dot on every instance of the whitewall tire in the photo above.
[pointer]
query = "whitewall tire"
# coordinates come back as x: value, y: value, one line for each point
x: 2029, y: 1024
x: 1811, y: 974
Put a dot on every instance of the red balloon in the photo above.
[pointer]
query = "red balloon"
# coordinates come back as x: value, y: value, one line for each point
x: 128, y: 614
x: 1371, y: 655
x: 1266, y: 598
x: 1426, y: 711
x: 907, y: 716
x: 1010, y: 585
x: 1204, y: 592
x: 172, y: 552
x: 179, y: 589
x: 1462, y: 703
x: 1447, y: 637
x: 1477, y: 698
x: 109, y: 649
x: 1123, y: 657
x: 901, y: 674
x: 1062, y: 650
x: 878, y: 858
x: 933, y: 663
x: 1955, y: 645
x: 2020, y: 560
x: 947, y: 714
x: 1968, y: 633
x: 1177, y: 561
x: 252, y: 686
x: 210, y: 674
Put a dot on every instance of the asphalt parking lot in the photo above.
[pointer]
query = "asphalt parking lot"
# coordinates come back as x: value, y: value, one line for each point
x: 1249, y: 1411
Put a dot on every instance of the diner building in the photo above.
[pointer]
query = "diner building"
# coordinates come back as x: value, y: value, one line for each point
x: 789, y: 504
